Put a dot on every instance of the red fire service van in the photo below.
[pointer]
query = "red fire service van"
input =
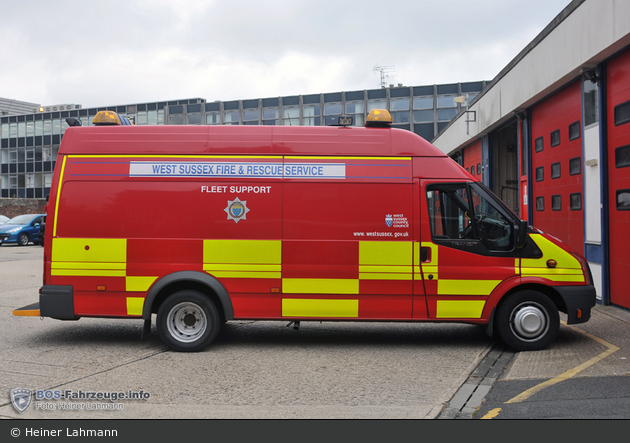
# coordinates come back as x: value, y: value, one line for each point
x: 206, y: 224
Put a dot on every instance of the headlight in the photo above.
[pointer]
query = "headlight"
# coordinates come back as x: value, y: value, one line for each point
x: 11, y: 231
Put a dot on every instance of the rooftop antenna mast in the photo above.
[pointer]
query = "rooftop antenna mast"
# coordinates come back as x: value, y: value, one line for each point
x: 386, y: 72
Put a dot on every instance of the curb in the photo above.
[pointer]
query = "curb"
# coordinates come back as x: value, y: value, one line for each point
x: 470, y: 395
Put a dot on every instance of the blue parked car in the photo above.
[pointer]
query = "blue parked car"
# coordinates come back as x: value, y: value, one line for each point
x: 21, y: 229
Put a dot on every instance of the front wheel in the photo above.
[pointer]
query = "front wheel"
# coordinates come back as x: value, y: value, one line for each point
x: 188, y: 321
x: 23, y: 239
x: 527, y: 321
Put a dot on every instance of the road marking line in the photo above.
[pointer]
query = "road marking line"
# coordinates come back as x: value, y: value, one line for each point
x: 571, y: 372
x: 491, y: 414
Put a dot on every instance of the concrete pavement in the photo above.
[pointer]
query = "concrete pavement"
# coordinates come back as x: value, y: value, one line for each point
x: 599, y: 348
x: 266, y: 370
x: 256, y: 370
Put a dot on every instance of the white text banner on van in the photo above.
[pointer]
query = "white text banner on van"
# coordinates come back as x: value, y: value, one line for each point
x: 315, y: 170
x: 237, y: 169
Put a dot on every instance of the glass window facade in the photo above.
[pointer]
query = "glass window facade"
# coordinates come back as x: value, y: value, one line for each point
x: 376, y: 104
x: 312, y: 115
x: 356, y: 110
x: 30, y: 142
x: 399, y: 109
x: 230, y: 118
x: 331, y: 113
x: 291, y: 116
x: 446, y: 114
x: 270, y: 116
x: 424, y: 110
x: 446, y: 102
x: 213, y: 118
x: 251, y: 116
x: 446, y: 108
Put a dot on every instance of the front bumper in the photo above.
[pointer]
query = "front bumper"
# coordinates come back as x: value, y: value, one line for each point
x: 579, y: 300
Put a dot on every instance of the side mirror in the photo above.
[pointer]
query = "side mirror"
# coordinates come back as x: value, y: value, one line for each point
x: 521, y: 233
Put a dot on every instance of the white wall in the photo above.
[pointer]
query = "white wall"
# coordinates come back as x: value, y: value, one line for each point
x: 596, y: 271
x: 592, y: 187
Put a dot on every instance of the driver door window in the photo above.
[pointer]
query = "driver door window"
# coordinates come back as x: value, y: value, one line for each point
x: 459, y: 213
x: 448, y: 213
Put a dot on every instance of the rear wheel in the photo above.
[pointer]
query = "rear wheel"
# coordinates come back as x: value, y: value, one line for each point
x: 527, y: 321
x: 188, y: 321
x: 23, y: 239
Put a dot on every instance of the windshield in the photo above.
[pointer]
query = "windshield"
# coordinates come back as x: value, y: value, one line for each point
x: 20, y: 220
x: 498, y: 201
x: 465, y: 211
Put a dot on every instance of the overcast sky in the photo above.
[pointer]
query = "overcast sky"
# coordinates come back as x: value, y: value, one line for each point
x: 114, y: 52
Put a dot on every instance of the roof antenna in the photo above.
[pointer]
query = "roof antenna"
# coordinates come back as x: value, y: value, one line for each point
x: 386, y: 72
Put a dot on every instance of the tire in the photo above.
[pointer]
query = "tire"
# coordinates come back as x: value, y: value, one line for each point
x: 23, y: 239
x: 527, y: 321
x: 188, y: 321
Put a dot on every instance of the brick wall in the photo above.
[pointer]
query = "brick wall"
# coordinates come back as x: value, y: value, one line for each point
x: 11, y: 207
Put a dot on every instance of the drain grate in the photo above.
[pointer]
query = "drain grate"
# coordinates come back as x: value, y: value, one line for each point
x: 469, y: 396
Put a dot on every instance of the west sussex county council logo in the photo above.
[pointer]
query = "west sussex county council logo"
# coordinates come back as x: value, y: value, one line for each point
x: 236, y: 210
x: 21, y: 399
x: 389, y: 220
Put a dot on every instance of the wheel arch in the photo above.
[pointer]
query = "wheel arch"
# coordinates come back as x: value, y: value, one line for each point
x: 543, y: 288
x: 177, y: 281
x: 549, y: 291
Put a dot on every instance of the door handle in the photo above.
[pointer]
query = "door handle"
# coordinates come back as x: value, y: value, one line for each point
x: 425, y: 255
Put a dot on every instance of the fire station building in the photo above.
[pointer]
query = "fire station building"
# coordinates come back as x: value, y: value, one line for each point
x: 550, y: 135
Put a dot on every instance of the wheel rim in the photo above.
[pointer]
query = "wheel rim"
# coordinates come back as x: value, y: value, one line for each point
x: 23, y: 240
x: 529, y: 321
x: 187, y: 322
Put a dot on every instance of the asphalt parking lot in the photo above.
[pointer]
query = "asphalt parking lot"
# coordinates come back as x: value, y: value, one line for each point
x: 253, y: 370
x: 266, y: 370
